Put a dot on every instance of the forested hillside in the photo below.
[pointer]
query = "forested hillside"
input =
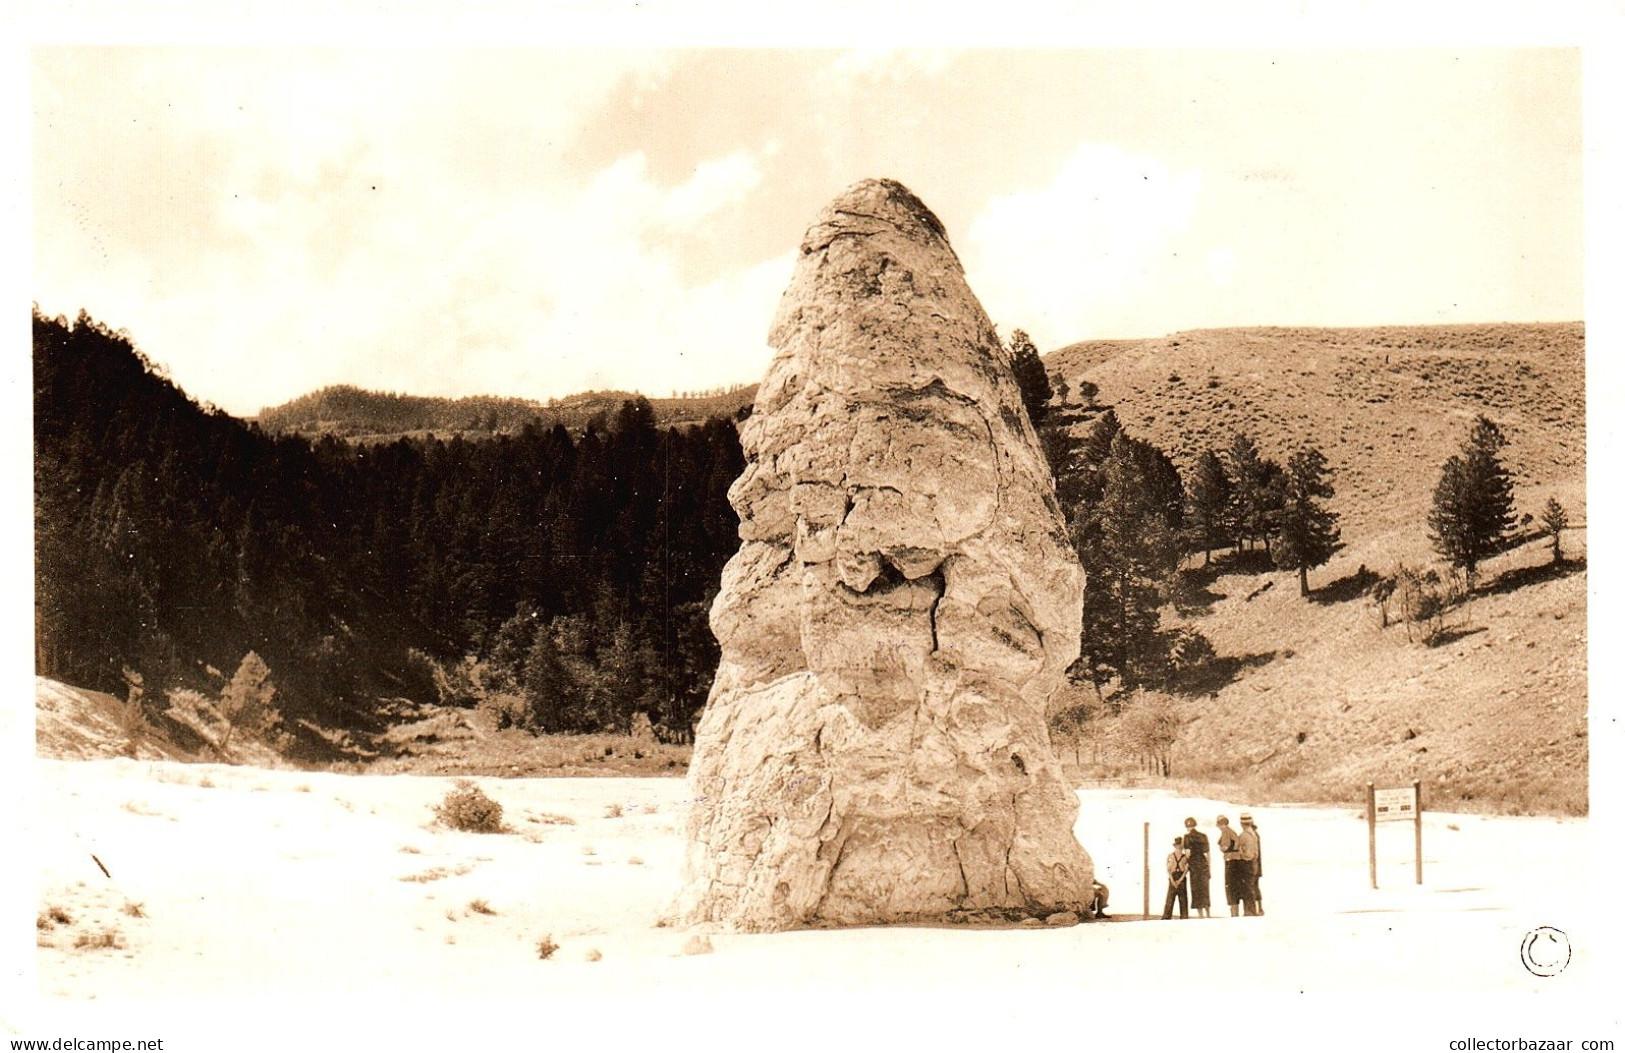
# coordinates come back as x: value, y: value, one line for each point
x: 558, y: 576
x: 171, y: 540
x: 372, y: 416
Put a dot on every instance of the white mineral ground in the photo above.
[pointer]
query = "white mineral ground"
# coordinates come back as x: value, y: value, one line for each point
x: 275, y: 897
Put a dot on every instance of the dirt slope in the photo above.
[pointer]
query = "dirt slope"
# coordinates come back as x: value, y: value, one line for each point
x: 72, y: 723
x: 1495, y: 717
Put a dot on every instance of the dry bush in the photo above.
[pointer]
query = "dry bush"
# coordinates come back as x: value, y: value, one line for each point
x: 241, y: 720
x: 1429, y: 600
x: 131, y: 717
x: 545, y: 947
x: 505, y: 709
x: 466, y: 807
x: 436, y: 873
x: 1149, y: 727
x: 107, y: 939
x: 479, y: 906
x: 51, y: 917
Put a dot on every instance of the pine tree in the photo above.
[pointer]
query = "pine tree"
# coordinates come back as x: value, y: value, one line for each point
x: 1249, y: 474
x: 1555, y: 519
x: 245, y: 703
x: 1472, y: 516
x: 1208, y: 508
x: 1307, y: 530
x: 1130, y: 549
x: 548, y: 688
x: 1031, y: 376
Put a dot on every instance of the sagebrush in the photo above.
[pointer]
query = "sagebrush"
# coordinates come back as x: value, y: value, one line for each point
x: 466, y: 807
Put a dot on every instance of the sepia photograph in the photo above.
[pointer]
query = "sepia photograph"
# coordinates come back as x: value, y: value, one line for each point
x: 597, y: 541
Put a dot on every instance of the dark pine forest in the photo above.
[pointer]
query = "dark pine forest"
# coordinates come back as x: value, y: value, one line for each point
x: 565, y: 574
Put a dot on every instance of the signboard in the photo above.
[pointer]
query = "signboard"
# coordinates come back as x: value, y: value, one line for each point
x: 1404, y: 802
x: 1396, y: 804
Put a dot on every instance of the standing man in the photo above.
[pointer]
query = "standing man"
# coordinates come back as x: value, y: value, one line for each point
x: 1232, y: 865
x: 1201, y: 873
x: 1178, y: 867
x: 1249, y: 826
x: 1247, y: 846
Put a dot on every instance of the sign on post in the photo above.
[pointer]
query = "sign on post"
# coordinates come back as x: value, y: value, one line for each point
x: 1404, y: 802
x: 1396, y: 804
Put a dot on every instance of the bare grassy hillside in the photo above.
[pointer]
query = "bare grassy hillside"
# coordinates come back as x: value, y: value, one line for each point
x: 1385, y: 405
x: 1313, y: 698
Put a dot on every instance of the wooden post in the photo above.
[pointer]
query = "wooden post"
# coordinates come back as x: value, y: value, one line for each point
x: 1416, y: 790
x: 1145, y: 838
x: 1371, y: 825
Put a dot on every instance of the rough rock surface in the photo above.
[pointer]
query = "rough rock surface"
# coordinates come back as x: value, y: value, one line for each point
x: 902, y: 606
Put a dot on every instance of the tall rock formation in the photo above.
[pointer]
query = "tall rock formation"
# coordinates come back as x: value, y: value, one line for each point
x: 903, y: 604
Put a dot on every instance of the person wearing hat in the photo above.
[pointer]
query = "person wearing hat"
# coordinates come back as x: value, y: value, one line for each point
x: 1249, y: 826
x: 1201, y: 873
x: 1232, y: 865
x: 1178, y: 867
x: 1247, y: 846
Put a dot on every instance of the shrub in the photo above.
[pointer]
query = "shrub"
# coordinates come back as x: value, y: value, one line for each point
x: 463, y: 684
x: 507, y: 710
x: 106, y: 939
x: 130, y: 716
x: 545, y: 947
x: 479, y: 906
x: 243, y: 712
x: 1149, y: 727
x: 1427, y: 599
x: 466, y: 807
x: 51, y: 917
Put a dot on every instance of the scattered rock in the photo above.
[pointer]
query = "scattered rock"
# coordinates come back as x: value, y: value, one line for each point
x: 1061, y: 918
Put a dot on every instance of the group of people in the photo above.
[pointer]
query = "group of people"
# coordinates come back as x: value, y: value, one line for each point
x: 1189, y: 873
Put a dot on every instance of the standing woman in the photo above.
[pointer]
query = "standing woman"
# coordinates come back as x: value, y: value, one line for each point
x: 1196, y: 845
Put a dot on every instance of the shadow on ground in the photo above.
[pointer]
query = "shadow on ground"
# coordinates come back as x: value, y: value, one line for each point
x: 1513, y: 580
x: 1450, y: 636
x: 1208, y: 678
x: 1348, y: 587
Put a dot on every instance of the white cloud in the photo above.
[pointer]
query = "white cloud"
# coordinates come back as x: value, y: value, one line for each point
x: 714, y: 185
x: 533, y: 295
x: 356, y: 242
x: 1056, y: 261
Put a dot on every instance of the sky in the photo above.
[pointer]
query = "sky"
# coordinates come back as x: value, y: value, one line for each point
x: 534, y: 222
